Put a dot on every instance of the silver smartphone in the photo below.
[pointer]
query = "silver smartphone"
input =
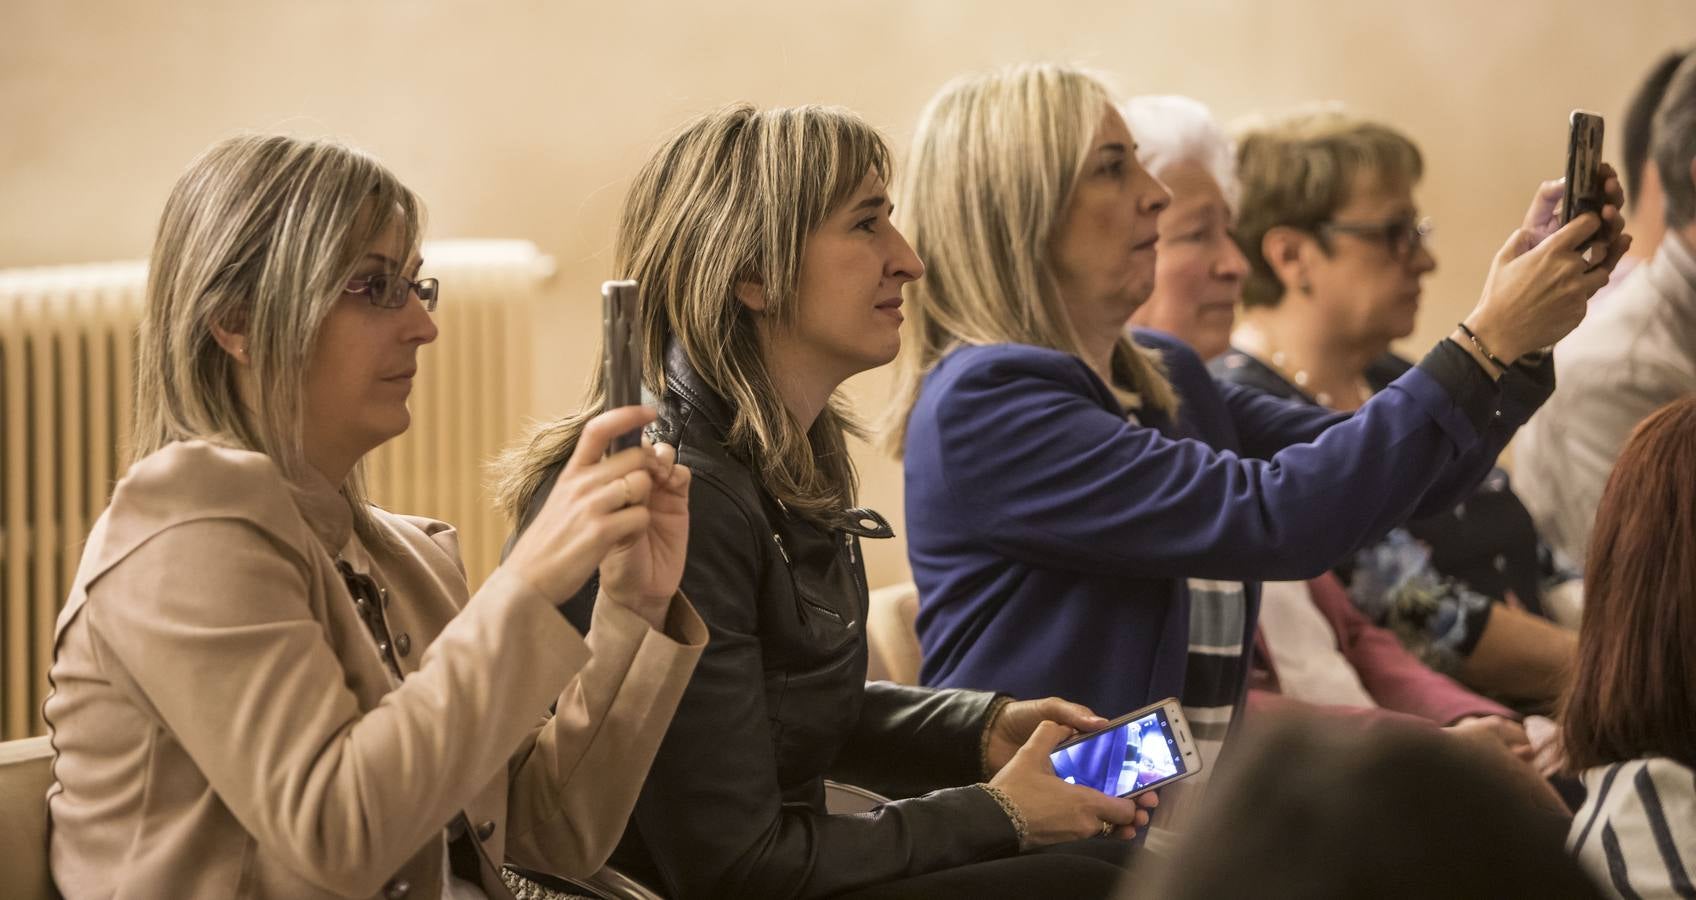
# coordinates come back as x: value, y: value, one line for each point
x: 1137, y: 752
x: 621, y: 311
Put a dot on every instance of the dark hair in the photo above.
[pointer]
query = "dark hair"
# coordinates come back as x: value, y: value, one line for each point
x: 1672, y: 143
x: 1640, y: 121
x: 1319, y: 809
x: 1633, y: 692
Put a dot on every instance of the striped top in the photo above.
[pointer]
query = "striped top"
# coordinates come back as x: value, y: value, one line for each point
x: 1214, y: 676
x: 1636, y: 833
x: 1216, y: 669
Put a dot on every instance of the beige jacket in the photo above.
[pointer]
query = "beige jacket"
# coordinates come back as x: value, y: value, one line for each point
x: 225, y: 727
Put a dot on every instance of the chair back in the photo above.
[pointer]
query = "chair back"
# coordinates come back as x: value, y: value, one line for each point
x: 26, y: 772
x: 891, y: 636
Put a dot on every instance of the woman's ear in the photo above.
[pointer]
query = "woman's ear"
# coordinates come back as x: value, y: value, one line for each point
x: 1281, y: 247
x: 752, y: 294
x: 233, y: 343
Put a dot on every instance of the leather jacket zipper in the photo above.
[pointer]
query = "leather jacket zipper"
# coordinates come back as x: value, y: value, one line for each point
x: 795, y: 585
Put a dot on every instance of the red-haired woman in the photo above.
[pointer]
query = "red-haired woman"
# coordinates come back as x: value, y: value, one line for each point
x: 1630, y: 713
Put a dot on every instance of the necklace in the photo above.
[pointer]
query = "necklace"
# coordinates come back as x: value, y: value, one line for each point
x: 1256, y: 343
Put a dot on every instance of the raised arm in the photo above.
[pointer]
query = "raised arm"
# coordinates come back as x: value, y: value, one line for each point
x: 575, y: 780
x: 230, y: 658
x: 1267, y: 424
x: 1028, y: 443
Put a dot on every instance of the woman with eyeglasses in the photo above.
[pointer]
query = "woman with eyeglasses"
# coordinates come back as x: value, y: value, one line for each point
x: 266, y: 686
x: 771, y: 272
x: 1337, y: 252
x: 1082, y: 508
x: 1313, y: 645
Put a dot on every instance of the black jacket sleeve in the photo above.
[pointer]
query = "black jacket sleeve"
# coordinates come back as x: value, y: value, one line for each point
x: 712, y: 817
x: 910, y: 740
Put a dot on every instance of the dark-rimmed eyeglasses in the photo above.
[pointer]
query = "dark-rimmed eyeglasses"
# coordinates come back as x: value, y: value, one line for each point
x: 1401, y: 237
x: 391, y: 291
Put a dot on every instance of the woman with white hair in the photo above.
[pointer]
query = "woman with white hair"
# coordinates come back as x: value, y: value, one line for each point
x: 266, y: 686
x: 1060, y: 525
x: 1198, y: 269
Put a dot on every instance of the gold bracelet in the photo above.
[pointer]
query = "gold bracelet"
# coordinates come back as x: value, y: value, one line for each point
x: 1020, y: 830
x: 995, y: 708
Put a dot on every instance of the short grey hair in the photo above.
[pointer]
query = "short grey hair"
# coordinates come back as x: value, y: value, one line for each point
x: 1673, y: 146
x: 1170, y: 129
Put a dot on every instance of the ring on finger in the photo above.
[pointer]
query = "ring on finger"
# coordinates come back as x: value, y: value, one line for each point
x: 1106, y: 829
x: 624, y: 482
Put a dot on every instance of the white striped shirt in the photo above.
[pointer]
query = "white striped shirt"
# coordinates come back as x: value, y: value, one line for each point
x: 1213, y: 681
x: 1636, y: 833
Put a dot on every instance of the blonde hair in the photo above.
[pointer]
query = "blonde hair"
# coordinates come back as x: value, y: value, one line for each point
x: 1297, y: 170
x: 257, y: 237
x: 991, y: 173
x: 732, y: 198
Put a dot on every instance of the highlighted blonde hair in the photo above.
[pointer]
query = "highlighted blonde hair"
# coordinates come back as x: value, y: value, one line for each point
x: 258, y: 237
x: 732, y: 198
x: 994, y: 161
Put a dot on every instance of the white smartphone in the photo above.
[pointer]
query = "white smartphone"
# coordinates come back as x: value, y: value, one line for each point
x: 1137, y: 752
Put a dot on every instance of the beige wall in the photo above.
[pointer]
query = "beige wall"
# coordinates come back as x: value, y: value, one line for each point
x: 524, y: 118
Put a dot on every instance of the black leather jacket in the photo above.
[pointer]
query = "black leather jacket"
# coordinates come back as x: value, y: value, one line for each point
x: 734, y: 804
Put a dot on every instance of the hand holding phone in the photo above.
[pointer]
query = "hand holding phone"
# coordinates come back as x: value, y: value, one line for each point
x: 1135, y: 753
x: 621, y: 308
x: 1055, y: 811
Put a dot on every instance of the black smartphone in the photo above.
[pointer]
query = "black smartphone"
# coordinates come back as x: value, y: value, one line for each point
x: 621, y: 308
x: 1136, y: 752
x: 1583, y: 166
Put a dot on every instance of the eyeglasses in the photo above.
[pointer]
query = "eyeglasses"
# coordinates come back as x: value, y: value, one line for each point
x: 1401, y: 237
x: 391, y: 291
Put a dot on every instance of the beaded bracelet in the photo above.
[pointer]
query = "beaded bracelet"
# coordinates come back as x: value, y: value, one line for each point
x: 1500, y: 366
x: 1021, y: 830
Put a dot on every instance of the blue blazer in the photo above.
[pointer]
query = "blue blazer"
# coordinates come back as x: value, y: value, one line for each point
x: 1051, y: 539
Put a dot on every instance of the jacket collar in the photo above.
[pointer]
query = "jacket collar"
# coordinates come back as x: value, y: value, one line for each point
x: 684, y: 383
x: 682, y: 379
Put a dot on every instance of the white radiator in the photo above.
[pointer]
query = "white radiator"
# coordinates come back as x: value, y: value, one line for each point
x: 67, y: 362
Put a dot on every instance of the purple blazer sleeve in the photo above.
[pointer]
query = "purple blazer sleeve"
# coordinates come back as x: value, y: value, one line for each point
x: 1039, y: 465
x: 1267, y: 424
